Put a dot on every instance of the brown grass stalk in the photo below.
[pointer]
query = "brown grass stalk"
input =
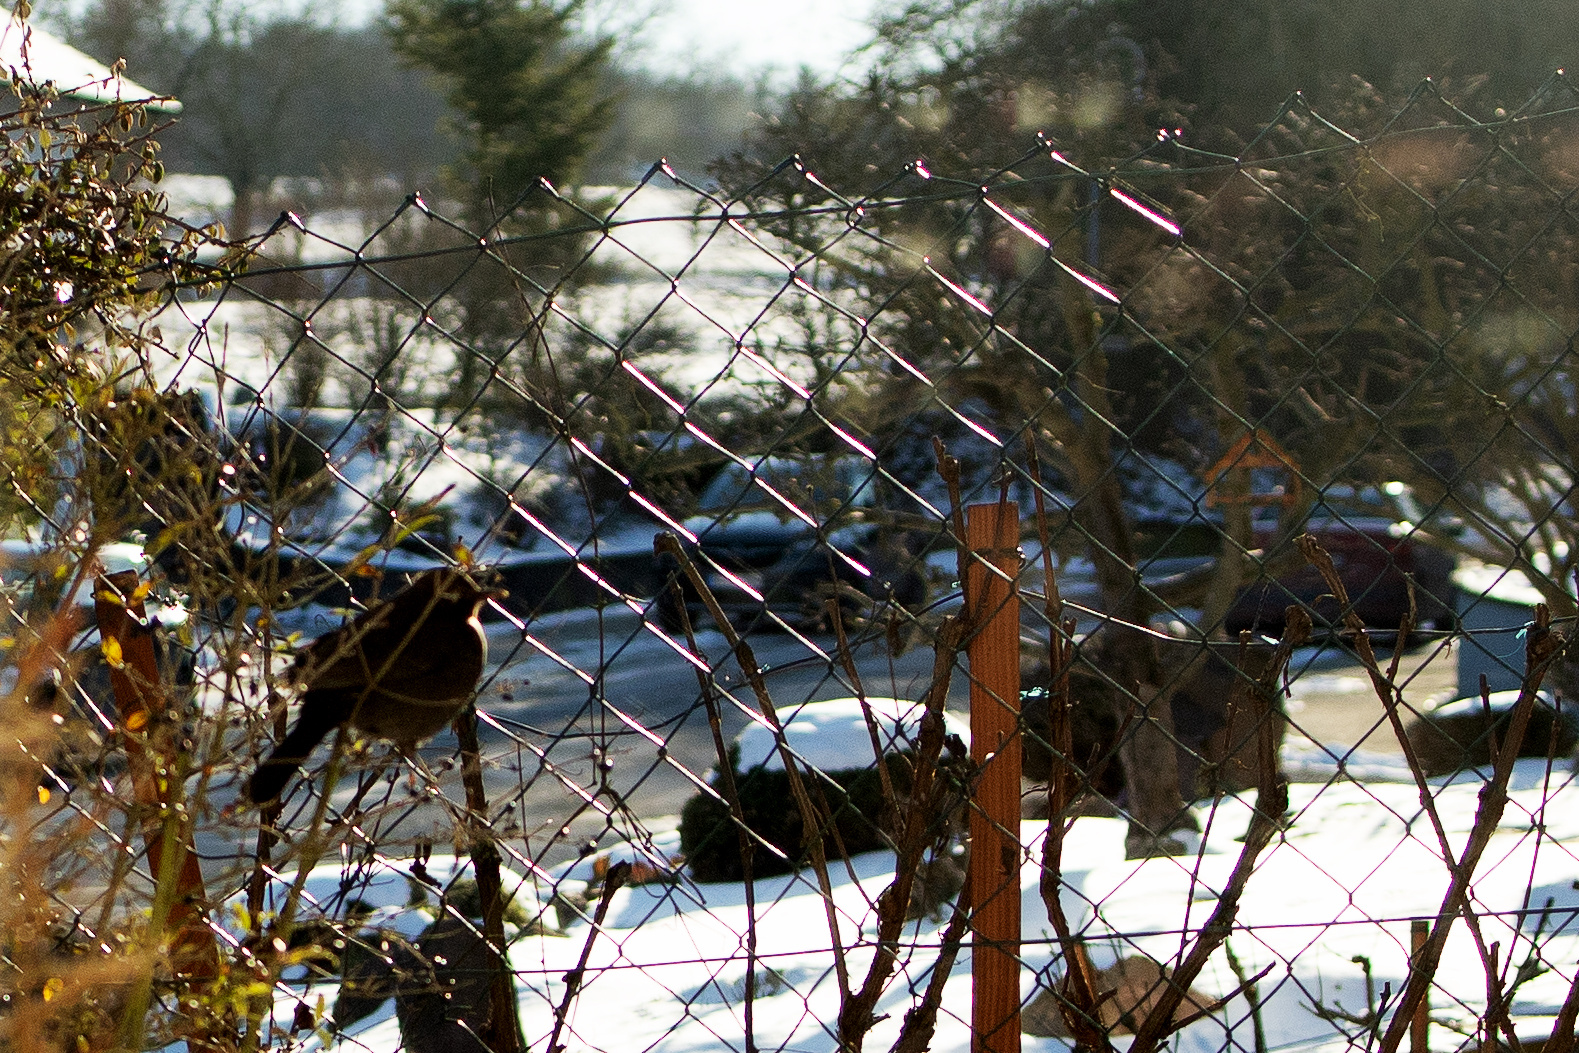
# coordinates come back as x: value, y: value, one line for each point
x: 927, y: 793
x: 1542, y: 646
x: 743, y: 832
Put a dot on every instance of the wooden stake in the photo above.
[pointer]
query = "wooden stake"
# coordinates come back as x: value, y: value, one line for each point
x: 1420, y: 1026
x: 993, y: 608
x: 139, y: 698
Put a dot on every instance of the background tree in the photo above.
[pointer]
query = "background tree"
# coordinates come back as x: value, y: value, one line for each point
x: 526, y: 96
x: 1212, y: 320
x: 690, y: 120
x: 527, y: 101
x: 268, y: 94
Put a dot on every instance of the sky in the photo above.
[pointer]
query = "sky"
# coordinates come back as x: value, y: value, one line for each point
x: 741, y: 37
x: 746, y: 37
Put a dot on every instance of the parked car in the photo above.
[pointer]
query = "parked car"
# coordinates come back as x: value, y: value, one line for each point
x: 1376, y: 548
x: 775, y: 541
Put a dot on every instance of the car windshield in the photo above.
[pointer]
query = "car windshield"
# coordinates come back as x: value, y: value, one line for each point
x: 806, y: 484
x: 1391, y: 503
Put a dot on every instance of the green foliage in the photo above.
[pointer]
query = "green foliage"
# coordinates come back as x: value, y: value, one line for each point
x: 526, y: 94
x: 82, y: 238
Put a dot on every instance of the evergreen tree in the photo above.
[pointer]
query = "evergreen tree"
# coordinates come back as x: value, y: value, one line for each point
x: 527, y: 96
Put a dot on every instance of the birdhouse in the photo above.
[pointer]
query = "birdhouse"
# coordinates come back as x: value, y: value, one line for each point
x: 1251, y: 451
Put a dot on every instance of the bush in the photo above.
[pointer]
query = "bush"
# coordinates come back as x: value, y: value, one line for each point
x: 87, y: 255
x: 1462, y: 734
x: 711, y: 843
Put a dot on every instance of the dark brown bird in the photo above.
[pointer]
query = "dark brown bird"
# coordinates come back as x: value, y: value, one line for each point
x: 399, y: 671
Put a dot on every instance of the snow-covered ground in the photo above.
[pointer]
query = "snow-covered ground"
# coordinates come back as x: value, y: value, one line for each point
x: 669, y: 257
x: 1358, y: 863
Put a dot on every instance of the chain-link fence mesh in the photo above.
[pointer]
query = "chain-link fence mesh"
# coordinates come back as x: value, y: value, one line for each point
x: 1176, y: 365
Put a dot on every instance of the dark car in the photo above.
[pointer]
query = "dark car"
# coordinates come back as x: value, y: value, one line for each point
x: 1377, y: 551
x: 775, y: 541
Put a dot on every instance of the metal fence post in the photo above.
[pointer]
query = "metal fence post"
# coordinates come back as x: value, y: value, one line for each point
x: 993, y: 604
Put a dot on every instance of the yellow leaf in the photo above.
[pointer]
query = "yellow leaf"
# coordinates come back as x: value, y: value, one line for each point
x: 43, y: 795
x: 137, y: 720
x: 53, y: 987
x: 112, y: 652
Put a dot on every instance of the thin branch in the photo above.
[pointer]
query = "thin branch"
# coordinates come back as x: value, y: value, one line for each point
x: 1265, y: 822
x: 811, y: 822
x: 612, y: 882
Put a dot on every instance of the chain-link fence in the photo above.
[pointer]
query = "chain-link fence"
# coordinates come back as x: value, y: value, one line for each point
x: 1289, y: 439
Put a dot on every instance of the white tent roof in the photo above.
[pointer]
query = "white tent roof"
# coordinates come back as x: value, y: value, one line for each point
x: 43, y: 59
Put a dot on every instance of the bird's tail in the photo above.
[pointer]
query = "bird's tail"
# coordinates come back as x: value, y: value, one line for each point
x: 320, y: 714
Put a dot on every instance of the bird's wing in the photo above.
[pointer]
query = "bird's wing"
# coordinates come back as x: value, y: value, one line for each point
x: 422, y: 643
x: 406, y: 651
x: 438, y: 672
x: 348, y: 656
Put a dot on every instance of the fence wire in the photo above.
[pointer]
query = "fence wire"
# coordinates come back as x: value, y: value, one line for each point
x: 700, y: 762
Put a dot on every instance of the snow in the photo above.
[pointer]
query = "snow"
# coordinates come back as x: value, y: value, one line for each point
x: 1340, y: 887
x: 670, y: 257
x: 666, y: 970
x: 1498, y: 583
x: 1495, y: 702
x: 41, y: 58
x: 392, y: 890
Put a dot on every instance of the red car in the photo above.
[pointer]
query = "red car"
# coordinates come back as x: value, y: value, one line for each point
x: 1375, y: 557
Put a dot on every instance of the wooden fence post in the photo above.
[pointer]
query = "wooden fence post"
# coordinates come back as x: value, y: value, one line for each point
x: 992, y: 604
x: 139, y: 697
x: 1420, y: 1026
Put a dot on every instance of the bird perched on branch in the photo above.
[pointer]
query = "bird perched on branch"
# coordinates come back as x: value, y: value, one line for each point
x: 399, y: 671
